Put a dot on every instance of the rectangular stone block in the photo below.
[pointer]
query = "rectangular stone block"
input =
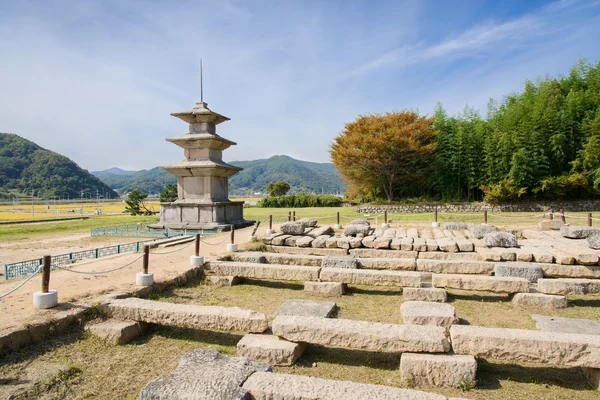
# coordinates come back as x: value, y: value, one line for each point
x: 187, y: 315
x: 569, y: 286
x: 320, y: 241
x: 118, y: 332
x: 432, y: 245
x: 566, y: 325
x: 304, y: 241
x: 280, y: 240
x: 326, y: 289
x: 394, y: 264
x: 263, y: 271
x: 455, y: 267
x: 538, y: 255
x: 350, y: 262
x: 420, y: 245
x: 438, y: 370
x: 305, y: 250
x: 424, y: 294
x: 521, y: 345
x: 270, y: 349
x: 447, y: 245
x: 464, y: 244
x: 216, y: 280
x: 427, y: 313
x: 306, y: 260
x: 439, y: 255
x: 378, y: 253
x: 406, y: 243
x: 571, y: 271
x: 362, y: 335
x: 307, y: 308
x: 371, y: 277
x: 412, y: 232
x: 480, y: 283
x: 539, y: 300
x: 269, y: 386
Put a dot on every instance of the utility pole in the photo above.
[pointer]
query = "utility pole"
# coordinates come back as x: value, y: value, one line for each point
x: 32, y: 211
x: 81, y: 203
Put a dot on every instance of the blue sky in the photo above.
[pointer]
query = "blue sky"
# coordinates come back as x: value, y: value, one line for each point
x: 97, y: 80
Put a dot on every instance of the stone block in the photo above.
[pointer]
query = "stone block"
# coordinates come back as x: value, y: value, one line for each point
x: 292, y: 228
x: 308, y: 222
x: 428, y: 313
x: 327, y: 289
x: 263, y: 271
x: 354, y: 229
x: 280, y: 240
x: 480, y: 283
x: 362, y: 335
x: 539, y: 300
x: 594, y: 242
x: 440, y: 255
x: 217, y: 280
x: 550, y: 225
x: 447, y: 245
x: 455, y: 267
x: 464, y: 244
x: 371, y: 277
x: 269, y: 238
x: 420, y: 245
x: 305, y: 250
x: 340, y: 262
x: 566, y: 325
x: 438, y: 370
x: 249, y: 256
x: 320, y: 241
x: 378, y: 253
x: 268, y: 386
x: 425, y: 294
x: 270, y: 349
x: 343, y: 242
x: 118, y: 332
x: 360, y: 222
x: 531, y: 272
x: 395, y: 264
x: 523, y: 346
x: 569, y: 286
x: 406, y: 243
x: 455, y: 226
x: 538, y: 255
x: 332, y: 242
x: 205, y: 374
x: 396, y: 244
x: 307, y: 260
x: 187, y: 315
x: 500, y: 239
x: 578, y: 232
x: 368, y: 241
x: 304, y: 241
x: 355, y: 242
x: 320, y: 231
x: 307, y: 308
x: 382, y: 243
x: 479, y: 231
x: 432, y: 245
x: 291, y: 241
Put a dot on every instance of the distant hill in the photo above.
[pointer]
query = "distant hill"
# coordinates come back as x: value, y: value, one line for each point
x: 303, y: 176
x: 25, y: 166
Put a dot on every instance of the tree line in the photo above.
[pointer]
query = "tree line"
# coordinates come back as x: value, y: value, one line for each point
x: 541, y: 143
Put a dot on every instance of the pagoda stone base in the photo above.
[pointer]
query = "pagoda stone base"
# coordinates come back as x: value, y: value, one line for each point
x: 197, y: 215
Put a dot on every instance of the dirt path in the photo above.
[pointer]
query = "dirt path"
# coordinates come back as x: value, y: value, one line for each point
x: 17, y: 309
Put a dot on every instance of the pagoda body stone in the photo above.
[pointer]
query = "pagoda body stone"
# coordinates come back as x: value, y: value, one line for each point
x: 202, y: 177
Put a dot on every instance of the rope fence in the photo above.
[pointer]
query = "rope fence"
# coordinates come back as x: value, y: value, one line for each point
x: 97, y: 272
x: 174, y: 251
x: 20, y: 285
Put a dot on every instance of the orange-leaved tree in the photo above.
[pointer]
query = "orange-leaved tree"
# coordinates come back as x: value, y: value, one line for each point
x: 390, y: 152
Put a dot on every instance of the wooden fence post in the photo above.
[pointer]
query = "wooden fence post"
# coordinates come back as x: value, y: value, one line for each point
x: 47, y: 264
x: 385, y: 216
x: 232, y: 234
x: 435, y: 217
x: 271, y: 221
x: 197, y: 245
x: 485, y: 216
x: 146, y: 258
x: 562, y: 216
x: 589, y: 219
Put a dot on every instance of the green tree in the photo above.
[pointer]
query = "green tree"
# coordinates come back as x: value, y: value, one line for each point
x: 169, y: 194
x: 278, y: 188
x: 135, y: 203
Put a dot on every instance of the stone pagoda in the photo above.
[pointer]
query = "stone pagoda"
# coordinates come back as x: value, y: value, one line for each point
x: 202, y: 177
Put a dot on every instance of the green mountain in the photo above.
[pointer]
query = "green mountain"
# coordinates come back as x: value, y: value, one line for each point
x: 303, y: 176
x: 25, y: 166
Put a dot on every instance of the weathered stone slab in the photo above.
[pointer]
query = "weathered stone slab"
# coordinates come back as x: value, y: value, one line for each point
x: 381, y: 243
x: 291, y: 259
x: 569, y: 286
x: 566, y: 325
x: 439, y: 255
x: 578, y: 232
x: 204, y: 374
x: 362, y: 335
x: 428, y: 313
x: 500, y: 239
x: 400, y: 233
x: 488, y: 254
x: 523, y: 345
x: 395, y: 264
x: 550, y: 225
x: 412, y: 232
x: 447, y: 245
x: 327, y: 289
x: 419, y: 244
x: 319, y: 241
x: 269, y: 238
x: 371, y: 277
x: 539, y: 300
x: 332, y: 242
x: 308, y: 222
x: 353, y: 230
x: 455, y: 226
x: 268, y: 386
x: 406, y: 243
x: 360, y: 222
x: 369, y: 241
x: 118, y: 332
x: 280, y: 240
x: 426, y: 234
x: 343, y: 242
x: 479, y: 231
x: 292, y: 228
x: 291, y: 241
x: 307, y: 308
x: 432, y: 245
x: 425, y: 294
x: 320, y: 231
x: 377, y: 253
x: 438, y: 369
x: 538, y: 255
x: 480, y: 283
x: 530, y: 271
x: 263, y: 271
x: 249, y: 256
x: 523, y: 256
x: 340, y: 262
x: 396, y: 244
x: 464, y: 244
x: 270, y: 349
x: 455, y: 267
x: 186, y: 315
x: 594, y: 242
x: 356, y: 242
x: 304, y: 241
x: 305, y: 250
x: 389, y: 233
x: 223, y: 280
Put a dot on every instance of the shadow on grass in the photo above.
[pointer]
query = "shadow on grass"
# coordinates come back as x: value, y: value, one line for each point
x: 479, y: 298
x: 585, y: 303
x: 357, y: 358
x: 490, y: 375
x: 273, y: 284
x: 195, y: 335
x: 382, y: 292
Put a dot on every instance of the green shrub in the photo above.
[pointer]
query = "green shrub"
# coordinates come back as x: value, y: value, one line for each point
x: 301, y: 200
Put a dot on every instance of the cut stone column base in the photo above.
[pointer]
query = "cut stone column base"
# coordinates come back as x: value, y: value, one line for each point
x: 252, y: 238
x: 270, y: 231
x: 232, y: 247
x: 337, y: 226
x: 384, y: 225
x: 197, y: 261
x: 142, y: 279
x: 435, y: 224
x: 43, y: 301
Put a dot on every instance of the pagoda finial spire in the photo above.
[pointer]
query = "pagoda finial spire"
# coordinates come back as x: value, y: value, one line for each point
x: 201, y: 94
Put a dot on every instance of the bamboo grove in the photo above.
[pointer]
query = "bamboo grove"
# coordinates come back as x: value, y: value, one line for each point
x: 542, y: 143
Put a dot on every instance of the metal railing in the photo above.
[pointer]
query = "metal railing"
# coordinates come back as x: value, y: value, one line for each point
x: 143, y: 231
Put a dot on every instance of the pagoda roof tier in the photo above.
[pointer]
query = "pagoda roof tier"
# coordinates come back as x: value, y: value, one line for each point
x: 207, y: 167
x: 200, y: 113
x: 201, y: 141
